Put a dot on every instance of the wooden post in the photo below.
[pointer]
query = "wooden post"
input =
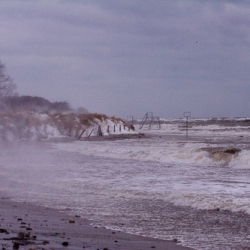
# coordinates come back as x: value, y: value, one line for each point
x: 81, y: 134
x: 99, y: 131
x: 114, y: 128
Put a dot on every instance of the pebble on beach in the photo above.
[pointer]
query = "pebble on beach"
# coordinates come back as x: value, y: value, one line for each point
x: 71, y: 220
x: 65, y: 243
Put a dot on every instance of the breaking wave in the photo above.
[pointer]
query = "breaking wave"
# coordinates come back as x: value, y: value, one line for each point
x: 168, y: 153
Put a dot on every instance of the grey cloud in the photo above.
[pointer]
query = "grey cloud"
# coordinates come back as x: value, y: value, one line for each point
x: 119, y: 57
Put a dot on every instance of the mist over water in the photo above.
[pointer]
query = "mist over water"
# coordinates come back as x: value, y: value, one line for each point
x: 165, y: 186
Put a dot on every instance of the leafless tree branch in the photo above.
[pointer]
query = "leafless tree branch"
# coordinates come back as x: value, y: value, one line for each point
x: 7, y: 87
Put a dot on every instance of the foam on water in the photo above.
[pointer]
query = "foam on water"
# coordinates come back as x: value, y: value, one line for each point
x: 192, y: 172
x: 168, y: 152
x: 242, y: 160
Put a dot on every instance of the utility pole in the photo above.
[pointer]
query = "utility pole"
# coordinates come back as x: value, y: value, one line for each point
x: 132, y: 119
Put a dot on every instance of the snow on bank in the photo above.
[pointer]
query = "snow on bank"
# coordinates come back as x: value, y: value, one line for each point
x: 27, y: 125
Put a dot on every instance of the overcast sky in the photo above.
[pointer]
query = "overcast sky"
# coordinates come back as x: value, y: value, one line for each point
x: 128, y: 57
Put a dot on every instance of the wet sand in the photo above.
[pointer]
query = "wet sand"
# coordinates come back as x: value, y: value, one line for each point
x: 26, y: 226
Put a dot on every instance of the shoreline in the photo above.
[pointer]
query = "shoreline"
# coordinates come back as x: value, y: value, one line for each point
x: 27, y: 226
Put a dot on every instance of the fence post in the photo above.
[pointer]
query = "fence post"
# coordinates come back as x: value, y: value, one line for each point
x: 187, y: 114
x: 99, y: 131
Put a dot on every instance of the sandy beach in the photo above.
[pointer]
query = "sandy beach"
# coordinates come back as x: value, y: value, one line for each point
x: 26, y: 226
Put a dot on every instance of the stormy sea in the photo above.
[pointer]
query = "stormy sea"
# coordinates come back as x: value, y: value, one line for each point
x: 184, y: 182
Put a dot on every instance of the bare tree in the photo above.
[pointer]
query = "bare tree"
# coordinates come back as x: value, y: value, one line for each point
x: 7, y: 87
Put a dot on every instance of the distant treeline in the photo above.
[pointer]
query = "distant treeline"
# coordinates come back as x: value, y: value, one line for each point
x: 11, y: 101
x: 32, y: 103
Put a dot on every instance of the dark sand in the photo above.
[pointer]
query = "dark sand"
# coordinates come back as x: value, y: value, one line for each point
x: 26, y: 226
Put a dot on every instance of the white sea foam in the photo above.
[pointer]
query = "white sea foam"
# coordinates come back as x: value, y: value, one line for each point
x: 166, y: 152
x: 192, y: 167
x: 212, y: 201
x: 242, y: 160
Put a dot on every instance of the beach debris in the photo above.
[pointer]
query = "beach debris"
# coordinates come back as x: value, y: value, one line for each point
x: 23, y: 235
x: 71, y: 220
x: 65, y: 243
x: 3, y: 231
x: 15, y: 245
x: 22, y: 239
x: 175, y: 240
x: 45, y: 242
x: 78, y: 216
x: 20, y: 242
